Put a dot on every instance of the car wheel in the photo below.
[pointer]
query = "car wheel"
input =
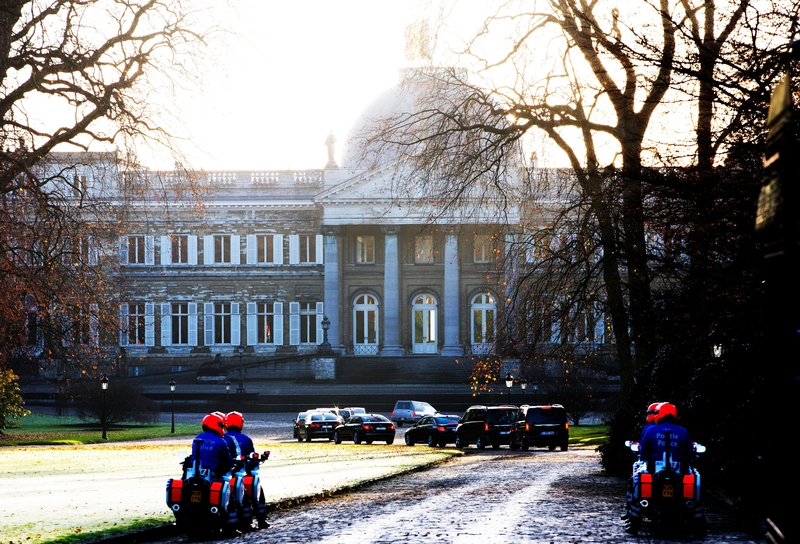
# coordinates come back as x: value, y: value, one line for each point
x: 431, y: 441
x: 368, y: 441
x: 459, y: 443
x: 552, y: 448
x: 389, y: 441
x: 299, y: 438
x: 564, y: 447
x: 308, y: 438
x: 356, y: 438
x: 514, y: 446
x: 336, y: 438
x: 479, y: 443
x: 496, y: 445
x: 409, y: 442
x: 524, y: 447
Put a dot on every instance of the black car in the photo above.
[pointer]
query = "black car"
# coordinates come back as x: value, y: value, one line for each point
x: 298, y: 421
x: 438, y: 429
x: 488, y: 425
x: 317, y: 425
x: 365, y: 428
x: 544, y: 426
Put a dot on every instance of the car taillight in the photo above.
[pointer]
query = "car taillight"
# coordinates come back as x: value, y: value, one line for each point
x: 413, y: 414
x: 485, y: 426
x: 367, y: 427
x: 527, y: 426
x: 392, y: 413
x: 441, y: 429
x: 566, y: 425
x: 391, y: 427
x: 314, y: 425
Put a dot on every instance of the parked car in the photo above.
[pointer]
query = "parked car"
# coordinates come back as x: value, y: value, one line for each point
x: 544, y: 426
x: 351, y: 410
x: 409, y: 411
x: 298, y: 421
x: 333, y: 410
x: 438, y: 429
x: 318, y: 425
x: 365, y: 428
x: 489, y: 425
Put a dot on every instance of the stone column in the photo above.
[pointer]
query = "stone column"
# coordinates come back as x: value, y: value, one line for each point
x: 452, y: 346
x: 331, y: 285
x: 391, y: 295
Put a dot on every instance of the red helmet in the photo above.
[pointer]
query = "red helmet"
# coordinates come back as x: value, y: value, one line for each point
x: 214, y: 423
x: 652, y: 410
x: 234, y: 419
x: 666, y: 409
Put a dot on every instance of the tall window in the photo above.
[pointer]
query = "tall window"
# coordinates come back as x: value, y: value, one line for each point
x: 308, y: 249
x: 222, y: 322
x: 222, y: 248
x: 265, y: 248
x: 180, y: 323
x: 483, y: 323
x: 136, y: 249
x: 483, y: 248
x: 308, y: 323
x: 180, y: 249
x: 265, y: 322
x: 423, y: 249
x: 136, y: 324
x: 365, y: 249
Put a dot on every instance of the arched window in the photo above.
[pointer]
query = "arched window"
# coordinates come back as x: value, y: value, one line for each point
x: 423, y: 314
x: 365, y: 325
x: 483, y: 323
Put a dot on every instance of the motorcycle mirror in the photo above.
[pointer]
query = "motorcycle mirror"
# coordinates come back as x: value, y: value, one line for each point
x: 699, y: 448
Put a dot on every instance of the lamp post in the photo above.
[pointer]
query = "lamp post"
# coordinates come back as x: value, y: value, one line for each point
x: 326, y: 324
x: 172, y: 390
x: 535, y: 388
x: 509, y: 384
x: 240, y: 350
x: 523, y: 383
x: 227, y: 388
x: 104, y: 385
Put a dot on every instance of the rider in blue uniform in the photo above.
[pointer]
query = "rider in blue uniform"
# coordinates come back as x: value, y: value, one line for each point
x: 238, y: 442
x: 213, y: 450
x: 666, y: 442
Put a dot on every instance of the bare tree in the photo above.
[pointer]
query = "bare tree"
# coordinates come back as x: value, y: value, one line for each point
x: 103, y: 70
x: 590, y: 78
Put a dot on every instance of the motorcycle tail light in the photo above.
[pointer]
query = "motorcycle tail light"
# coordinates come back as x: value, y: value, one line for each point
x: 688, y: 486
x: 215, y: 495
x: 646, y: 485
x: 175, y: 490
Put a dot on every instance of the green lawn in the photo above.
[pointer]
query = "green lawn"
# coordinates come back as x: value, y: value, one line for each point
x: 588, y: 435
x: 47, y: 430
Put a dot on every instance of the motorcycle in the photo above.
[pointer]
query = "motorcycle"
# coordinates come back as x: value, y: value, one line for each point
x: 204, y: 506
x: 667, y: 497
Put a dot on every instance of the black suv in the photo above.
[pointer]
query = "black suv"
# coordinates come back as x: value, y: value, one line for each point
x: 488, y: 425
x: 544, y: 426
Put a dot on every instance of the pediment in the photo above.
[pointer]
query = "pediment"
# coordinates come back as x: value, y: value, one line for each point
x: 374, y: 185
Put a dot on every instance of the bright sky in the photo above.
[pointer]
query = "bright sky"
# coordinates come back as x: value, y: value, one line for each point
x: 304, y: 68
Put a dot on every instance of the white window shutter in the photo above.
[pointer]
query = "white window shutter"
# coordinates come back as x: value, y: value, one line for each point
x: 192, y: 323
x: 149, y: 324
x: 208, y: 249
x: 123, y: 324
x: 236, y: 250
x: 236, y: 324
x: 320, y: 316
x: 278, y: 335
x: 277, y: 248
x: 294, y: 323
x: 123, y: 250
x: 208, y: 324
x: 166, y: 325
x: 320, y: 249
x: 92, y: 250
x: 192, y: 249
x: 252, y: 245
x: 94, y: 325
x: 294, y: 253
x: 252, y: 323
x: 149, y: 250
x: 166, y: 250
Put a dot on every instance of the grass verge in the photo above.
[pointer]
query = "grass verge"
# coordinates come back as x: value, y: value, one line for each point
x: 51, y: 430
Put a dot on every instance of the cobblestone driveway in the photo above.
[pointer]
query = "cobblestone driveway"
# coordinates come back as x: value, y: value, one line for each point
x: 487, y: 497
